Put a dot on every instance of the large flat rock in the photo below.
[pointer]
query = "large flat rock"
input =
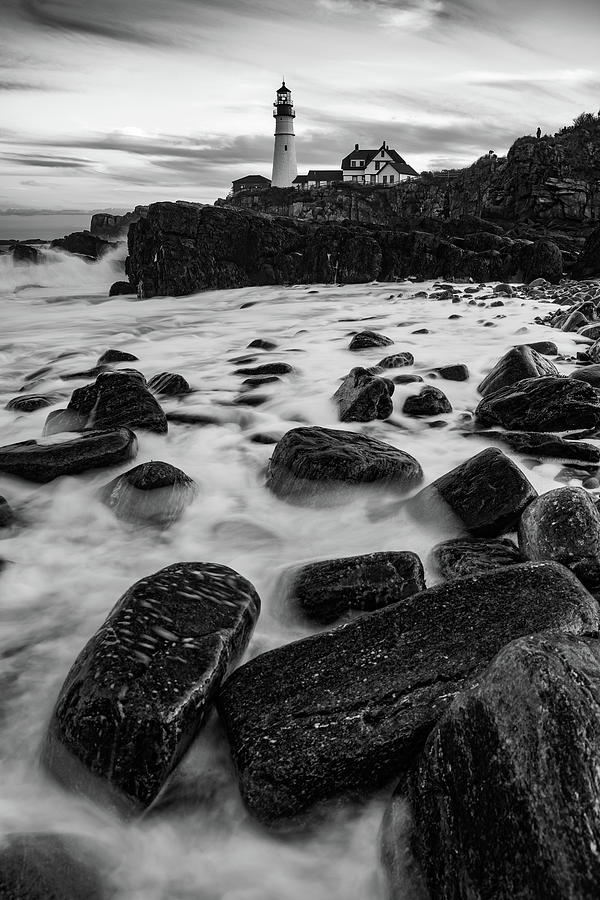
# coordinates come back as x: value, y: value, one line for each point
x: 506, y: 797
x: 140, y: 689
x: 347, y: 710
x: 547, y: 403
x: 44, y: 460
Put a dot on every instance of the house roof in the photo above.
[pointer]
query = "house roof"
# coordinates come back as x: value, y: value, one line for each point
x: 325, y: 175
x: 252, y: 179
x: 300, y: 179
x: 400, y: 164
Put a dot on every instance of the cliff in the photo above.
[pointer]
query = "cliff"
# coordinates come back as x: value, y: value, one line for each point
x: 107, y: 225
x: 549, y: 183
x: 181, y: 248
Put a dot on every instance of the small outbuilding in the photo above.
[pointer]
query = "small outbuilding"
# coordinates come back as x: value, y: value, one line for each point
x: 250, y: 183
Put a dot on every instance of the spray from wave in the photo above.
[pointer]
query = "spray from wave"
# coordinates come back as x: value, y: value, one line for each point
x: 62, y: 272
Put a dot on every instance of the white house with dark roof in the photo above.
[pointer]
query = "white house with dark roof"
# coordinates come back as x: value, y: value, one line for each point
x: 381, y: 166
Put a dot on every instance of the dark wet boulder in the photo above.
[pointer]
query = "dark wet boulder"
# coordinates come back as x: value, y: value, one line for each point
x: 25, y: 253
x: 589, y: 374
x: 563, y: 525
x: 83, y: 243
x: 155, y: 493
x: 542, y: 404
x: 311, y: 464
x: 262, y: 344
x: 42, y: 462
x: 342, y: 712
x: 256, y: 381
x: 27, y: 403
x: 397, y: 360
x: 362, y: 397
x: 473, y: 556
x: 7, y: 516
x: 588, y: 262
x: 505, y: 796
x: 519, y: 363
x: 592, y: 332
x: 116, y: 356
x: 543, y: 445
x: 140, y: 690
x: 430, y: 401
x: 593, y: 352
x: 574, y: 321
x: 121, y: 289
x: 547, y: 348
x: 60, y: 421
x: 454, y: 372
x: 84, y: 374
x: 325, y: 590
x: 277, y: 368
x: 118, y: 398
x: 407, y: 379
x: 484, y: 495
x: 363, y: 340
x: 48, y: 866
x: 168, y: 384
x: 542, y: 259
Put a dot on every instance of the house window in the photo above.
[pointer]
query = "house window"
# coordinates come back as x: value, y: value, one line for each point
x: 383, y: 152
x: 353, y: 163
x: 355, y: 178
x: 385, y: 179
x: 391, y: 179
x: 377, y: 166
x: 285, y: 146
x: 373, y: 179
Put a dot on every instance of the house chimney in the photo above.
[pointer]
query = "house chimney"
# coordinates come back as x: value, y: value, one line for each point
x: 356, y: 146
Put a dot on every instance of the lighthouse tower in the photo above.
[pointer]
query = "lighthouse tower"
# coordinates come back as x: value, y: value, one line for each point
x: 285, y: 167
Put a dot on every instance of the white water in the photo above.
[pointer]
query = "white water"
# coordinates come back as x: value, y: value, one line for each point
x: 73, y: 559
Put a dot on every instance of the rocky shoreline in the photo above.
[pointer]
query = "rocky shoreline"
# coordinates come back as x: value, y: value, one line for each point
x: 466, y: 697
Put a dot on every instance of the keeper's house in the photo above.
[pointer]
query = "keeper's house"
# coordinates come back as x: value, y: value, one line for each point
x: 381, y: 166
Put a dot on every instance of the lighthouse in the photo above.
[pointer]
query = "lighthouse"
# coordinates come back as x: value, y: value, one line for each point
x: 285, y: 167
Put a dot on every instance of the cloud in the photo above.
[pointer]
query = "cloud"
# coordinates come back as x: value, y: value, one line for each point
x: 9, y: 86
x: 46, y: 162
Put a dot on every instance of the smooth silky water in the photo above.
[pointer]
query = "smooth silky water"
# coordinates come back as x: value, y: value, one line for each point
x: 71, y: 559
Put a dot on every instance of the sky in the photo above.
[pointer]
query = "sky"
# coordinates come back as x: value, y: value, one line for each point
x: 106, y: 104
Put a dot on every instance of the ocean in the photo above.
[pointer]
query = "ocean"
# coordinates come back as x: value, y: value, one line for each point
x: 45, y: 227
x: 71, y: 560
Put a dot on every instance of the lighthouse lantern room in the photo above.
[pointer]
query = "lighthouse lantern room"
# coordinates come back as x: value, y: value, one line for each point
x: 285, y: 168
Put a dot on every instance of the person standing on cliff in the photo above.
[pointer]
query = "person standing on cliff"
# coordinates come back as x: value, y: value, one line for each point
x: 538, y: 133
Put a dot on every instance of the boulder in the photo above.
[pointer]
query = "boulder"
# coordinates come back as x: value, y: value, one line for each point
x: 396, y: 361
x: 455, y: 372
x: 519, y: 363
x: 155, y: 493
x: 548, y: 348
x: 42, y: 462
x: 312, y: 463
x: 266, y: 369
x: 27, y: 403
x: 588, y: 262
x: 323, y: 591
x: 589, y: 374
x: 116, y: 356
x: 574, y: 322
x: 47, y: 866
x: 542, y: 259
x: 117, y: 398
x: 364, y: 340
x: 473, y: 556
x: 120, y: 289
x: 592, y: 332
x: 430, y: 401
x: 563, y: 525
x: 84, y: 243
x: 7, y: 516
x: 141, y: 688
x: 505, y: 796
x: 342, y: 712
x: 485, y: 495
x: 594, y: 352
x: 25, y: 253
x: 169, y: 384
x: 547, y: 403
x: 542, y: 445
x: 262, y: 344
x: 362, y: 397
x: 407, y: 379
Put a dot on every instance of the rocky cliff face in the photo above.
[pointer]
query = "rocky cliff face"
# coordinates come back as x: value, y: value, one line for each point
x: 550, y: 182
x: 106, y: 225
x: 182, y: 248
